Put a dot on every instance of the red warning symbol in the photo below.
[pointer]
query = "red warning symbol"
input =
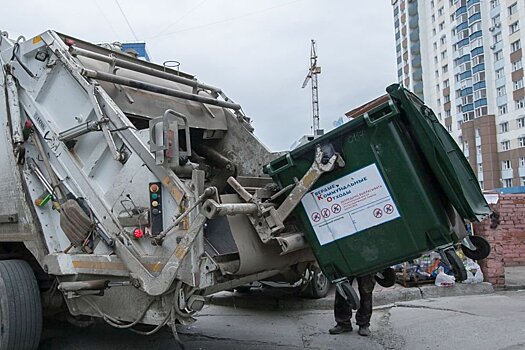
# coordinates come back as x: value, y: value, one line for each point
x: 316, y: 217
x: 378, y: 213
x: 389, y: 208
x: 325, y: 212
x: 336, y: 208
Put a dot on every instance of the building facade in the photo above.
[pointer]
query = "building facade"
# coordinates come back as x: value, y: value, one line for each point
x: 464, y: 59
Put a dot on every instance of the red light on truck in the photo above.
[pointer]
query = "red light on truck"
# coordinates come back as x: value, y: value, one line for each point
x: 137, y: 233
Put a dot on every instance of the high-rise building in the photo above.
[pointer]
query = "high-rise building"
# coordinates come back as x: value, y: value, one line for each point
x: 464, y: 59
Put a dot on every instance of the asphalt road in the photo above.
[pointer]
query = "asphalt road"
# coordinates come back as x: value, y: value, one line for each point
x: 495, y: 321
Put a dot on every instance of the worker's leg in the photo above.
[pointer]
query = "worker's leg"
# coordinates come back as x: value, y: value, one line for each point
x: 343, y: 315
x: 366, y: 286
x: 342, y: 310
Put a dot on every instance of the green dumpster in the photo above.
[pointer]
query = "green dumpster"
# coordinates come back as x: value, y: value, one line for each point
x: 395, y: 197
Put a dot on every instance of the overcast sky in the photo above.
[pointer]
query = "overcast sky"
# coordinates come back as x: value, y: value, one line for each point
x: 257, y: 51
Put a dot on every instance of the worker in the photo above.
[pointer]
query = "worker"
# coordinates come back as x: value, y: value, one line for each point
x: 343, y: 309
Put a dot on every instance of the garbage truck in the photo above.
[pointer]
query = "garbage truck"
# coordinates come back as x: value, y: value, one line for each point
x: 132, y: 190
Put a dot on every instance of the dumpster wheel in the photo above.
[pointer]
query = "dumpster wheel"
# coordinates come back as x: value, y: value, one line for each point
x: 482, y: 248
x: 386, y: 278
x: 456, y: 264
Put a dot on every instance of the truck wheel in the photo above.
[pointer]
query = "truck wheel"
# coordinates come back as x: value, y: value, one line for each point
x: 20, y: 308
x: 318, y: 286
x: 482, y: 248
x: 386, y: 278
x: 456, y: 265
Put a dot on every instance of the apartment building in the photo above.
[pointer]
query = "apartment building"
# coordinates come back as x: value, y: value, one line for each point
x: 464, y: 59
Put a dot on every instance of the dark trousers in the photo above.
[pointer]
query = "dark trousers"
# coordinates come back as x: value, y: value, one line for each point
x: 343, y: 309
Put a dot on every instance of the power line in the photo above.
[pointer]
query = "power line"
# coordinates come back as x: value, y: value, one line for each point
x: 107, y: 20
x: 228, y: 19
x: 180, y: 18
x: 127, y: 21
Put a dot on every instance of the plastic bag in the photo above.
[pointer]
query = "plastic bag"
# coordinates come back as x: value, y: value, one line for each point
x: 474, y: 274
x: 444, y: 280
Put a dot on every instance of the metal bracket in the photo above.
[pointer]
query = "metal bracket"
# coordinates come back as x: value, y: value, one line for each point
x: 274, y: 218
x: 170, y: 137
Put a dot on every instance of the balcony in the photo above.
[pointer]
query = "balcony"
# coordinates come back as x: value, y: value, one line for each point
x: 521, y: 171
x: 507, y: 174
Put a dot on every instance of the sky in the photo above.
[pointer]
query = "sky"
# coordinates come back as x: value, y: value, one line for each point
x: 256, y: 51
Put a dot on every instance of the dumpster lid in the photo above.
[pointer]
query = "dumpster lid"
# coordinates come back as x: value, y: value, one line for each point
x: 445, y: 158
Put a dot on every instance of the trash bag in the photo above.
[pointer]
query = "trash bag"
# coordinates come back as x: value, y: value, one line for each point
x: 474, y: 273
x: 444, y: 280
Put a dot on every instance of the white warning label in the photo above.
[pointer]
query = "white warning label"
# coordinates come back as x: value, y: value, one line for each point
x: 353, y: 203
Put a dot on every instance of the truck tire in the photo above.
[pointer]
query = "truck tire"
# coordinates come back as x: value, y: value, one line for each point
x: 482, y: 248
x: 20, y: 308
x: 318, y: 286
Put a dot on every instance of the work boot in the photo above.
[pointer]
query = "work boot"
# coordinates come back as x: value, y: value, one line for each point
x: 364, y: 331
x: 340, y: 328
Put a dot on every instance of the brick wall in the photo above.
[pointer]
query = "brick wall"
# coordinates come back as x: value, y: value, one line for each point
x: 507, y: 240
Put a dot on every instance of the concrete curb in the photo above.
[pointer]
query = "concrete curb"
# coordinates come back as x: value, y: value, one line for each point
x: 383, y: 297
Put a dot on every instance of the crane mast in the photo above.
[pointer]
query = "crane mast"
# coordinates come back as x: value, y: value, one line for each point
x: 313, y: 71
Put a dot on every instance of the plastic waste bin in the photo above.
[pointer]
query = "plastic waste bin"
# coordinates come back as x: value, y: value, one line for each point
x: 394, y: 198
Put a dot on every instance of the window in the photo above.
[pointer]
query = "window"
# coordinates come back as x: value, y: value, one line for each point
x: 447, y: 113
x: 479, y: 77
x: 480, y: 167
x: 504, y: 127
x: 496, y: 20
x: 433, y: 31
x: 496, y: 38
x: 498, y: 55
x: 440, y: 11
x: 500, y: 73
x: 465, y: 148
x: 479, y: 94
x: 505, y: 145
x: 481, y: 184
x: 506, y: 164
x: 514, y: 27
x: 522, y: 181
x: 481, y: 111
x: 435, y: 59
x: 518, y: 84
x: 433, y: 18
x: 442, y: 25
x: 521, y: 141
x: 446, y: 99
x: 501, y: 91
x: 435, y: 46
x: 445, y: 68
x: 446, y: 83
x: 494, y: 3
x: 513, y: 9
x: 522, y: 162
x: 444, y: 55
x: 517, y: 65
x: 478, y: 59
x: 502, y: 109
x: 474, y: 9
x: 437, y: 88
x: 443, y: 40
x: 520, y: 103
x: 521, y: 122
x: 436, y: 73
x: 515, y: 46
x: 507, y: 183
